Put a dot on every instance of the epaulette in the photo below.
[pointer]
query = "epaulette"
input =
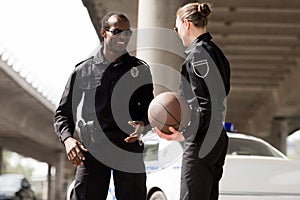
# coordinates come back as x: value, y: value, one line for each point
x: 141, y: 62
x: 83, y: 61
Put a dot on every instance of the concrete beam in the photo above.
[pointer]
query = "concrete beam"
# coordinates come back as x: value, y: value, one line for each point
x: 248, y: 28
x: 237, y: 65
x: 261, y: 60
x: 282, y: 4
x: 259, y: 15
x: 30, y: 123
x: 29, y: 148
x: 257, y: 40
x: 22, y: 83
x: 261, y: 50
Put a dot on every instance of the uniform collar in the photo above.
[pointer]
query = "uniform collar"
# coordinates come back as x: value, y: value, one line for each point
x: 99, y: 57
x: 203, y: 37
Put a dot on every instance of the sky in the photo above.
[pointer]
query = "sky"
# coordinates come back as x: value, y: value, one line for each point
x: 47, y: 38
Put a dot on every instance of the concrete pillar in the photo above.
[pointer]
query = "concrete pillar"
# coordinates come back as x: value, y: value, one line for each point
x: 158, y: 44
x: 49, y: 181
x: 1, y: 160
x: 279, y: 132
x: 60, y: 191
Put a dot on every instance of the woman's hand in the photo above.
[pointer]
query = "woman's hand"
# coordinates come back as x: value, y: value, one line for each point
x: 176, y: 135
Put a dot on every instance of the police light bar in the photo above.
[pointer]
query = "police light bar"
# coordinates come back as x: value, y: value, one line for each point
x: 228, y: 126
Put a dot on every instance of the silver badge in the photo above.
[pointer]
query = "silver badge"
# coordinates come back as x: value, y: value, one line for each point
x: 201, y: 68
x: 134, y: 72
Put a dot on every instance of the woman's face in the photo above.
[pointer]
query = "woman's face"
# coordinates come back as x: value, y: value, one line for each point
x: 182, y: 31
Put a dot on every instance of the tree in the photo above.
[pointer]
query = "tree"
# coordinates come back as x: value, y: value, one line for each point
x: 12, y: 163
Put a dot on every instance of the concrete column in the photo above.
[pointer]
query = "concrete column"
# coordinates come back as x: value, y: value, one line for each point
x: 158, y: 44
x: 49, y: 181
x: 279, y: 132
x: 60, y: 193
x: 1, y: 160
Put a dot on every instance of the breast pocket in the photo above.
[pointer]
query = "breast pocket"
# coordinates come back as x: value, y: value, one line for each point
x: 93, y: 88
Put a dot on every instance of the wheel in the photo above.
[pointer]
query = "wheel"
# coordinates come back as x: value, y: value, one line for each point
x: 158, y: 195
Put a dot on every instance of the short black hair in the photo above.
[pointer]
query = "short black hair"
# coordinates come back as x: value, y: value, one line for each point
x: 107, y: 16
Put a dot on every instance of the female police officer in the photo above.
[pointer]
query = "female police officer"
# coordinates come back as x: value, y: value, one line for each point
x: 205, y: 84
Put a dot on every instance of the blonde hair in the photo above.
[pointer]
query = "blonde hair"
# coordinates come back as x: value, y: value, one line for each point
x: 195, y: 12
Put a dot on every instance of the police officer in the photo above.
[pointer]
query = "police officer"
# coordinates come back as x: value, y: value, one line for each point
x: 25, y: 193
x: 115, y: 89
x: 205, y: 83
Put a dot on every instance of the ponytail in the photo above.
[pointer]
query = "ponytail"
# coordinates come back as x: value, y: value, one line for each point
x: 204, y: 9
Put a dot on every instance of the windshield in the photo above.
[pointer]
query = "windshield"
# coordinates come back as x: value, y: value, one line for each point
x: 238, y: 146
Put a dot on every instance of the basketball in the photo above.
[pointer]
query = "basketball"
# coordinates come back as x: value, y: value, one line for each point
x: 169, y: 109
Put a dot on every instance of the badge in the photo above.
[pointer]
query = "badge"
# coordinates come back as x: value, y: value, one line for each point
x: 201, y: 68
x: 134, y: 72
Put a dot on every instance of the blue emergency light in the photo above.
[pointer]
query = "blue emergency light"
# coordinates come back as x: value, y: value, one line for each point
x: 228, y: 126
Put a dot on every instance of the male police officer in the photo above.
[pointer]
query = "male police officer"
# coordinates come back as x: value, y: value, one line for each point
x: 116, y: 89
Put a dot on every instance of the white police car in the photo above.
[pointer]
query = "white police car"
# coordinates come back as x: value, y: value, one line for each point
x: 253, y: 170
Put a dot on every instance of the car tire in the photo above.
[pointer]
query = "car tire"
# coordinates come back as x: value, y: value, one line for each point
x: 158, y: 195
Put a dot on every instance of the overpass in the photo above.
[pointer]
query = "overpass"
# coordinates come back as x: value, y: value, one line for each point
x: 261, y: 40
x: 26, y: 127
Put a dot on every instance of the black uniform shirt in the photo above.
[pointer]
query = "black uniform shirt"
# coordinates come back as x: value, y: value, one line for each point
x: 112, y: 93
x: 205, y: 79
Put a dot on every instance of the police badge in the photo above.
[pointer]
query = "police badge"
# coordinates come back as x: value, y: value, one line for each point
x: 201, y: 68
x: 134, y: 72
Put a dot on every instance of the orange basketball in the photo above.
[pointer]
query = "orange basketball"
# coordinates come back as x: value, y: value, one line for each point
x: 169, y: 109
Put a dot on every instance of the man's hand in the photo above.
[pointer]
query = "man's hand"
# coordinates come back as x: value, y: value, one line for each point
x: 177, y: 136
x: 139, y: 128
x: 74, y: 151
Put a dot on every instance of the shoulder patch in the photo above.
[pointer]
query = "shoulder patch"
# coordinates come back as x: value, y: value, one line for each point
x: 201, y: 68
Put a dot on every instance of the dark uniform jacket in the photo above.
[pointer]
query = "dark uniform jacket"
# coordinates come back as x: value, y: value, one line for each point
x: 205, y: 82
x: 112, y: 93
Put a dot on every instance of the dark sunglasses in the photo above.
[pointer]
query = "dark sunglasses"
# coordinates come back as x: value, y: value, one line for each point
x: 117, y: 31
x: 176, y: 29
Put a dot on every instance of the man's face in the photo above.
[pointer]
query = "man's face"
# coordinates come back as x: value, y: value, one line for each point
x: 117, y: 35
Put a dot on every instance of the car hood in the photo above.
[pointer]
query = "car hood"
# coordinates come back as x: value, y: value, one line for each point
x: 255, y: 174
x: 7, y: 191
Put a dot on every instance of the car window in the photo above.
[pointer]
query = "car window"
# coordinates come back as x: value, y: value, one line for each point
x: 238, y: 146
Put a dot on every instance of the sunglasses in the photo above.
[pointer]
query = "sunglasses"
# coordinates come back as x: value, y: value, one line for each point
x: 117, y: 31
x: 176, y: 29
